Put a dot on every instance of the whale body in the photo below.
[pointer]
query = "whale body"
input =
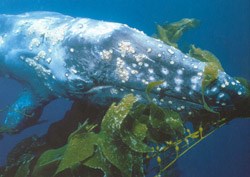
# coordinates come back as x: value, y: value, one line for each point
x: 54, y: 56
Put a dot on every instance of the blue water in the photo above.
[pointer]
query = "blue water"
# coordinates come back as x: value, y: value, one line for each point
x: 224, y: 30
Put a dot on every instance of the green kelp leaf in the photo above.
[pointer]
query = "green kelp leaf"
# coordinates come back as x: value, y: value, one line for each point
x: 245, y: 83
x: 211, y: 72
x: 170, y: 33
x: 79, y: 148
x: 176, y: 125
x: 138, y: 165
x: 118, y: 154
x: 166, y: 124
x: 98, y: 161
x: 157, y: 116
x: 151, y: 86
x: 48, y: 162
x: 116, y: 114
x: 112, y: 146
x: 134, y: 136
x: 205, y: 56
x: 23, y: 170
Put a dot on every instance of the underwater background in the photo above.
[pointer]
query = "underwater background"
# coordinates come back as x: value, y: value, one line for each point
x: 224, y: 30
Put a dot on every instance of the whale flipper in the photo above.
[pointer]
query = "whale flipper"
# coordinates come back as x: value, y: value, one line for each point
x: 24, y: 112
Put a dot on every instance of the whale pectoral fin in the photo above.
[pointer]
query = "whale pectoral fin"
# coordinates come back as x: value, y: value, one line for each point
x: 24, y: 112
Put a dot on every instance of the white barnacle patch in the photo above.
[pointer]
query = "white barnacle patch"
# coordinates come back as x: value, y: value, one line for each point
x: 72, y: 50
x: 140, y: 57
x: 40, y: 55
x: 35, y: 42
x: 121, y: 70
x: 159, y: 55
x: 239, y: 93
x: 38, y: 26
x: 171, y: 51
x: 134, y: 71
x: 126, y: 47
x: 48, y: 60
x: 164, y: 71
x: 106, y: 54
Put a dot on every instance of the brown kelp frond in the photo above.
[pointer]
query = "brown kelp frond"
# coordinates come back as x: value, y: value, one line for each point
x: 170, y: 33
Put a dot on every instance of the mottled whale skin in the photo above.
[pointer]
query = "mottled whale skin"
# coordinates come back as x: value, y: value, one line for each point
x: 55, y: 55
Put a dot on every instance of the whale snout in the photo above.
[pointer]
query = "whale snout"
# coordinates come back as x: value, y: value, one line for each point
x: 228, y: 96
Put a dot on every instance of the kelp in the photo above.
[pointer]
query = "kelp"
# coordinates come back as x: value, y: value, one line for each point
x: 130, y: 134
x: 170, y: 33
x: 205, y: 56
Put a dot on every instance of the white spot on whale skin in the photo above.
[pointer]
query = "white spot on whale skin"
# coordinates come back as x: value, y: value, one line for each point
x: 159, y: 55
x: 223, y: 85
x: 164, y: 71
x: 177, y: 88
x: 149, y: 50
x: 171, y: 62
x: 71, y: 50
x: 221, y: 95
x: 171, y: 51
x: 146, y: 65
x: 150, y: 70
x: 178, y: 81
x: 48, y: 60
x: 179, y: 71
x: 195, y: 79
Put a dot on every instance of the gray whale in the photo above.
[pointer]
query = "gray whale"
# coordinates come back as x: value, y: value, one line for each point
x: 54, y: 56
